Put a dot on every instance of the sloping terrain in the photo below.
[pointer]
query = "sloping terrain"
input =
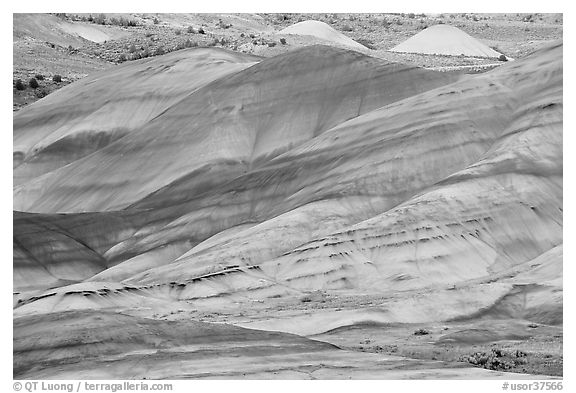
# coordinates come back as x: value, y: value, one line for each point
x: 323, y: 31
x: 311, y: 191
x: 228, y: 125
x: 53, y: 29
x: 102, y: 108
x: 117, y: 346
x: 445, y: 40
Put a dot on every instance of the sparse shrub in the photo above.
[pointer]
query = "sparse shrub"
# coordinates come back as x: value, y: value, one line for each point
x: 223, y: 25
x: 177, y: 32
x: 271, y: 44
x: 283, y: 41
x: 411, y: 15
x: 19, y: 85
x: 122, y: 58
x: 156, y: 21
x: 39, y: 77
x: 306, y: 299
x: 100, y: 19
x: 421, y: 332
x: 33, y: 83
x: 347, y: 28
x: 40, y: 93
x: 497, y: 359
x: 57, y: 78
x: 132, y: 48
x: 190, y: 30
x: 159, y: 51
x: 528, y: 18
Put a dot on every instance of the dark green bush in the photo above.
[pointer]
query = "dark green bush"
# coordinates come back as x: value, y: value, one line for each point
x: 33, y: 83
x: 421, y: 332
x: 57, y: 78
x: 19, y: 85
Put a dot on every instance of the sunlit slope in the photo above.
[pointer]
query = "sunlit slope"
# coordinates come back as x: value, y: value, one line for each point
x: 95, y: 111
x: 503, y: 209
x: 445, y: 40
x: 452, y: 192
x: 227, y: 127
x: 323, y: 31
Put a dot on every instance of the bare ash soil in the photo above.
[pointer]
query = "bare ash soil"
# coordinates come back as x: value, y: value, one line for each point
x: 499, y: 344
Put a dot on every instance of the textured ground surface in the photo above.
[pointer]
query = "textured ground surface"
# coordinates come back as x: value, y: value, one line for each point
x: 71, y: 45
x: 269, y: 209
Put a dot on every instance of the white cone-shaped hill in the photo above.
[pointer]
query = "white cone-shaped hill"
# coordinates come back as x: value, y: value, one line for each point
x: 445, y: 40
x: 323, y: 31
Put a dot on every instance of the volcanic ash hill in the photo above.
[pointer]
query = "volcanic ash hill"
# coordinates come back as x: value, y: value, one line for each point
x: 321, y: 179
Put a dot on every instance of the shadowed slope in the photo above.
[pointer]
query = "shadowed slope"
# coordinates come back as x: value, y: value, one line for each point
x: 52, y: 250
